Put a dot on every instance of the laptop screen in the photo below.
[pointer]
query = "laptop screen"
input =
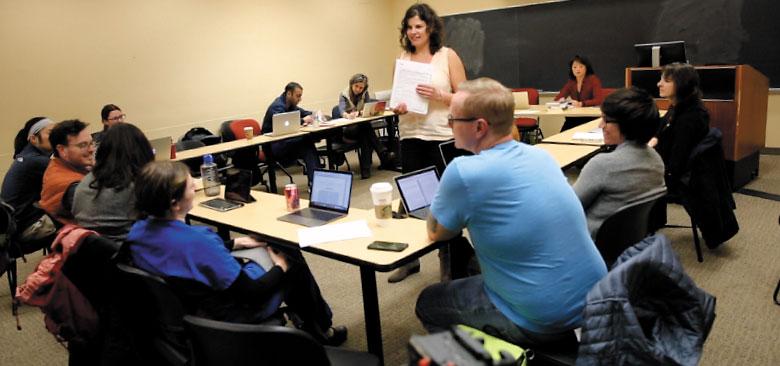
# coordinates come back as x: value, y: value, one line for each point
x: 331, y: 190
x: 418, y: 188
x: 449, y: 151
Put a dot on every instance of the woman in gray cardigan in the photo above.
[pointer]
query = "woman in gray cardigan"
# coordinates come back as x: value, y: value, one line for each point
x: 629, y: 118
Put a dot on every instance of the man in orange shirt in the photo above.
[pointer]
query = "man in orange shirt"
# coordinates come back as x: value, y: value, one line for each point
x: 74, y: 156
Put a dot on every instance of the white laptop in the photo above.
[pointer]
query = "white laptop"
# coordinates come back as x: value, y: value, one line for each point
x: 372, y: 109
x: 285, y: 123
x: 161, y: 148
x: 417, y: 190
x: 331, y: 191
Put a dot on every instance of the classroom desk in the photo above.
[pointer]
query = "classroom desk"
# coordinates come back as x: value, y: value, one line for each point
x: 541, y: 111
x: 259, y: 218
x: 568, y: 155
x: 265, y: 139
x: 565, y: 137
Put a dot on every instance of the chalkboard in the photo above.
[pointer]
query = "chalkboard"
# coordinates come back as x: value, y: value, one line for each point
x: 530, y: 46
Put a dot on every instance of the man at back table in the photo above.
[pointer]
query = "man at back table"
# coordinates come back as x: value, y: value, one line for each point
x: 296, y: 147
x: 74, y: 156
x: 526, y: 224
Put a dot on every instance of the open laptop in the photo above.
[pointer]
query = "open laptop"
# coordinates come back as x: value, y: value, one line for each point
x: 417, y: 190
x: 448, y: 151
x: 161, y: 148
x: 331, y: 191
x: 285, y: 123
x: 372, y: 109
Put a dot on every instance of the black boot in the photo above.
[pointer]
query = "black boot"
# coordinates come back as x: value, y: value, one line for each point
x: 387, y: 159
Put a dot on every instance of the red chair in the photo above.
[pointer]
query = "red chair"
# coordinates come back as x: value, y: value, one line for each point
x: 528, y: 128
x: 605, y: 92
x: 252, y: 158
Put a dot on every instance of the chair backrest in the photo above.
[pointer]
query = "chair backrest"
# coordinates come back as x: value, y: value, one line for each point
x: 627, y: 226
x: 91, y: 269
x: 222, y: 343
x: 7, y: 230
x: 605, y: 92
x: 533, y: 94
x: 230, y: 130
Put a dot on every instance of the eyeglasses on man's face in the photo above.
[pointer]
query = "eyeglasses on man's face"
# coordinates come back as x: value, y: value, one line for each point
x: 118, y: 118
x: 451, y: 119
x: 84, y: 144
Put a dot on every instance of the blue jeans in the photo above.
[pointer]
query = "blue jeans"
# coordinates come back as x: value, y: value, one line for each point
x: 465, y: 301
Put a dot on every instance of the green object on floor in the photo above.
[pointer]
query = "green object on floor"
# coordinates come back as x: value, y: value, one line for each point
x: 494, y: 345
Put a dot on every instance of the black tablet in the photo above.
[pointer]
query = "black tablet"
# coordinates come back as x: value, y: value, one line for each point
x: 221, y: 204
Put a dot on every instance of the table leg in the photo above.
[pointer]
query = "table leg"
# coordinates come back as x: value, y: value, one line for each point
x: 329, y: 153
x: 371, y: 313
x: 269, y: 160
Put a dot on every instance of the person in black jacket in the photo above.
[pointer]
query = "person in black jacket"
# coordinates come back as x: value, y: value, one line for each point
x: 684, y: 125
x: 164, y: 245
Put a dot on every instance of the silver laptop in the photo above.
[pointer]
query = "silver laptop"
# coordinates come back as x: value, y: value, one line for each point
x: 372, y: 109
x: 417, y: 190
x: 285, y: 123
x: 331, y: 191
x: 161, y: 148
x: 448, y: 151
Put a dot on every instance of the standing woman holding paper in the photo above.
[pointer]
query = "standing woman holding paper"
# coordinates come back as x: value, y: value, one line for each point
x: 422, y: 33
x: 583, y: 88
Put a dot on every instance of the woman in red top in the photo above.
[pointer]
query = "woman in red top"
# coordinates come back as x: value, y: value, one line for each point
x: 583, y: 87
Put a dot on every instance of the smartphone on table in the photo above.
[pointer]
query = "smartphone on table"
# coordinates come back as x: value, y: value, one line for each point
x: 388, y: 246
x: 221, y: 204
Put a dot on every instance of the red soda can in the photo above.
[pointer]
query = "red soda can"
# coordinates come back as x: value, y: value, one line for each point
x: 291, y: 196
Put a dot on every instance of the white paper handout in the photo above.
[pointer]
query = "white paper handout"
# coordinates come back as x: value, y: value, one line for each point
x: 593, y: 135
x: 408, y: 74
x: 333, y: 232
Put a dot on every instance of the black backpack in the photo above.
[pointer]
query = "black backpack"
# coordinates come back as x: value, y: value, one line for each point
x: 205, y: 137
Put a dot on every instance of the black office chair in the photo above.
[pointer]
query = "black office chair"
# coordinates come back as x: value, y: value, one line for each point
x: 92, y: 270
x: 13, y: 249
x: 250, y: 158
x: 627, y: 226
x: 339, y: 146
x: 221, y: 343
x: 168, y: 336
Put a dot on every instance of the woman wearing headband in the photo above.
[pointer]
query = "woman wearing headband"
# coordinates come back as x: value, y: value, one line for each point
x: 351, y: 102
x: 22, y: 184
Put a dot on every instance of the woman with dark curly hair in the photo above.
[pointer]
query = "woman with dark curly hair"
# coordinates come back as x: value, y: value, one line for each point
x: 422, y: 40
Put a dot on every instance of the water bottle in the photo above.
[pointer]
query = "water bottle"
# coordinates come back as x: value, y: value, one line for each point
x: 210, y: 176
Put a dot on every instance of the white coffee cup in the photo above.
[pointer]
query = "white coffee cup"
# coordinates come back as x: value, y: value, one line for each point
x: 249, y: 132
x: 382, y: 196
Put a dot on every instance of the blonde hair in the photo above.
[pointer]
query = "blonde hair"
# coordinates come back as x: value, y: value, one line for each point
x: 490, y: 100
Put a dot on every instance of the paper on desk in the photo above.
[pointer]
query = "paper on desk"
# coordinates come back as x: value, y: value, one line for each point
x: 333, y: 232
x: 408, y: 74
x: 593, y: 135
x: 525, y: 112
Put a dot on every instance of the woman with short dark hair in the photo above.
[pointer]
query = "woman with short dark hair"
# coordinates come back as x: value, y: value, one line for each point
x: 609, y: 181
x: 164, y: 245
x: 583, y: 88
x: 685, y: 124
x: 104, y: 199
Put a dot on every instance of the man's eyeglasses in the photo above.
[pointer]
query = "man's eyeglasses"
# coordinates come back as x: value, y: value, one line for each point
x: 117, y: 118
x: 83, y: 145
x: 451, y: 119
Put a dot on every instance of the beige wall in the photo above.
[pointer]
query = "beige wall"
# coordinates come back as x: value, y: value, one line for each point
x: 175, y: 64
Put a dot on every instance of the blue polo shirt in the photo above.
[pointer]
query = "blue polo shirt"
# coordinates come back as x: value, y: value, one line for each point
x: 529, y: 233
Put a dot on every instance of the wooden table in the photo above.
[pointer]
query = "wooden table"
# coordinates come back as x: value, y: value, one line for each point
x: 568, y: 155
x: 265, y: 139
x: 259, y: 218
x: 566, y: 137
x: 541, y: 111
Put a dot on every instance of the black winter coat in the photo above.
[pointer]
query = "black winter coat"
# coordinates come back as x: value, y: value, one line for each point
x: 646, y: 311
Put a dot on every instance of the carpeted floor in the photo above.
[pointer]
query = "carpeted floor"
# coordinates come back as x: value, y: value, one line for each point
x: 741, y: 274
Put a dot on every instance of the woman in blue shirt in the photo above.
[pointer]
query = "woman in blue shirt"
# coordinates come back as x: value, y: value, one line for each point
x: 246, y: 293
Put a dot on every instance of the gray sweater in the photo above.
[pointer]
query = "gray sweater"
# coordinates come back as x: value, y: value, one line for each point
x: 612, y: 180
x: 111, y: 213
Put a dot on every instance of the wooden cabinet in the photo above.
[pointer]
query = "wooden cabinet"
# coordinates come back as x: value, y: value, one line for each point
x: 736, y: 97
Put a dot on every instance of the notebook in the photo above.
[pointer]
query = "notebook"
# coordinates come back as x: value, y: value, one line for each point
x: 417, y: 190
x: 161, y: 148
x: 331, y: 191
x: 372, y: 109
x: 285, y: 123
x: 449, y: 151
